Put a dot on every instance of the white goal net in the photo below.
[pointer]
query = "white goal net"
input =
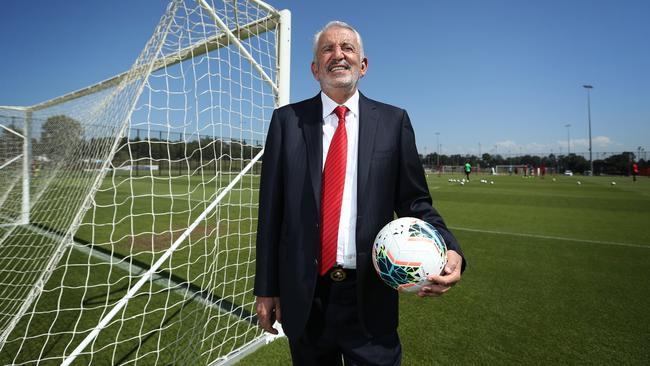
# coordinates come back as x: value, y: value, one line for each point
x: 128, y: 209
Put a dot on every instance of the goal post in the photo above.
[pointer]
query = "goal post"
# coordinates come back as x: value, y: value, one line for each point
x: 141, y: 196
x: 15, y: 164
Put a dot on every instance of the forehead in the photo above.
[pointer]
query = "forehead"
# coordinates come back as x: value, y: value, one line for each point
x: 338, y: 35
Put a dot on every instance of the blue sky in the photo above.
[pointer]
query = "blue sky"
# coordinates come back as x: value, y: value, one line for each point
x: 507, y: 75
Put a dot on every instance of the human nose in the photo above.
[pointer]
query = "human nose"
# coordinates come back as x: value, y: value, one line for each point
x: 338, y: 52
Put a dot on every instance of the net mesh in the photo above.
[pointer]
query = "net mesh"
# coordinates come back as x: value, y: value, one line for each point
x: 118, y: 174
x: 12, y: 137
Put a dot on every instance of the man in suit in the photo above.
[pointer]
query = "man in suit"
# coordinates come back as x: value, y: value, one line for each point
x: 314, y: 270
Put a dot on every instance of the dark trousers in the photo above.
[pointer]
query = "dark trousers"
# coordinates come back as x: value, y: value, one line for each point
x: 334, y: 335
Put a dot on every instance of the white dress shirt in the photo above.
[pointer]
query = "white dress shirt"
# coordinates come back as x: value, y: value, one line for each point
x: 346, y: 252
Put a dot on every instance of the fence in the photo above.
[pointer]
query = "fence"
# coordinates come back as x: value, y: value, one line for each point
x: 604, y: 163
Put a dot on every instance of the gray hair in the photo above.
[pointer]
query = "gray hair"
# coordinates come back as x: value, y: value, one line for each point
x: 334, y: 24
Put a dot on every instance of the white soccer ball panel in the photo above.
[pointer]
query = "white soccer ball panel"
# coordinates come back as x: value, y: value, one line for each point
x: 407, y: 250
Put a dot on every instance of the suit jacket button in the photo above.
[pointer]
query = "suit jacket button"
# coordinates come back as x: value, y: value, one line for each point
x: 316, y: 262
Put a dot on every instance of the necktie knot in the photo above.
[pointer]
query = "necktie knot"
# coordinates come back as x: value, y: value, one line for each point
x: 340, y: 112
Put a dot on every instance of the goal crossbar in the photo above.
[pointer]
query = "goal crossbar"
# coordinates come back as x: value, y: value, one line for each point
x: 232, y: 38
x: 222, y: 40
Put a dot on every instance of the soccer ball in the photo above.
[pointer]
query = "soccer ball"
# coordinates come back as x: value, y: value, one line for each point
x: 613, y: 183
x: 406, y: 251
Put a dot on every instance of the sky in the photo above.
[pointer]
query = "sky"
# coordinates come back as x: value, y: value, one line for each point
x: 476, y: 76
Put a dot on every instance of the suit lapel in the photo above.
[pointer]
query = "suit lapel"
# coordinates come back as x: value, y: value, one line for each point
x: 312, y: 129
x: 368, y: 122
x: 313, y: 134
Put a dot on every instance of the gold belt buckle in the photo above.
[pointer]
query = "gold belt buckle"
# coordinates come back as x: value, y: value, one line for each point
x: 338, y: 275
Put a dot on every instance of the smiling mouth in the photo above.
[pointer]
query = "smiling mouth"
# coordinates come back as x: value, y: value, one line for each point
x: 335, y: 68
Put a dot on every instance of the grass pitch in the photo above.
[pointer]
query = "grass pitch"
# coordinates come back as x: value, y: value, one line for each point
x: 558, y: 273
x: 203, y: 315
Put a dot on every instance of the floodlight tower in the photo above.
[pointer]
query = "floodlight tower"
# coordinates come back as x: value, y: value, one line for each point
x: 568, y: 138
x: 589, y: 87
x: 438, y: 148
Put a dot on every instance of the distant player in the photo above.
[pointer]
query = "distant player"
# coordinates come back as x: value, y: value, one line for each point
x: 635, y: 171
x: 468, y: 169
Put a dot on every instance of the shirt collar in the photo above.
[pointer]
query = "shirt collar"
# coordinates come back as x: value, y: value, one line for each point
x: 329, y: 104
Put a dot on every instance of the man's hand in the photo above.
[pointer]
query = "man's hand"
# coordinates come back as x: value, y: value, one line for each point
x: 442, y: 283
x: 268, y: 311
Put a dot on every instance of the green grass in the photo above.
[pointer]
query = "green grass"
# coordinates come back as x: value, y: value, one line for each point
x: 216, y: 259
x: 558, y: 273
x: 159, y: 328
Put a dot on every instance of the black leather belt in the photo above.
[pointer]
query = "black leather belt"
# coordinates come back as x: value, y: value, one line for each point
x: 340, y: 274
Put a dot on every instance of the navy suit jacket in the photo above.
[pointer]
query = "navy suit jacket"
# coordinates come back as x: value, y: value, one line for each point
x: 390, y: 179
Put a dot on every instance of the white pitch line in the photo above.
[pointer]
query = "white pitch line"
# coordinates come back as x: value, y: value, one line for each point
x: 631, y: 245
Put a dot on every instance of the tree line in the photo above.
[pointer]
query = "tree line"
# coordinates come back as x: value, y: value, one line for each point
x: 62, y: 140
x: 62, y: 137
x: 616, y: 164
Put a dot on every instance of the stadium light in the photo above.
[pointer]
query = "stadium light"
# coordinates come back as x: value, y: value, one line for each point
x: 568, y: 139
x: 438, y: 148
x: 589, y: 87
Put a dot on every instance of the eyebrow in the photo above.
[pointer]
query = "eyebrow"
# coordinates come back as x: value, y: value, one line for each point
x: 342, y: 44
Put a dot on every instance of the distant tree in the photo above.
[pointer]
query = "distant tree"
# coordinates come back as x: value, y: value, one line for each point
x: 619, y: 164
x: 531, y: 160
x: 550, y: 161
x: 10, y: 144
x: 575, y: 163
x: 428, y: 160
x: 60, y: 136
x: 487, y: 159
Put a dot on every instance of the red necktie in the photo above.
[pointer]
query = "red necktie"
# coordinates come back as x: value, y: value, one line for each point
x: 332, y: 196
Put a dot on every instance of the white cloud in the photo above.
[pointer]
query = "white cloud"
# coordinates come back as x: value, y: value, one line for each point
x: 509, y: 146
x: 597, y: 142
x: 537, y: 147
x: 512, y: 148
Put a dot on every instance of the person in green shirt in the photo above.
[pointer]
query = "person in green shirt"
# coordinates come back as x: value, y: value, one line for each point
x: 468, y: 169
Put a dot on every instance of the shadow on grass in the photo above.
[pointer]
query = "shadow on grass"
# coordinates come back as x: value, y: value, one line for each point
x: 192, y: 293
x: 143, y: 341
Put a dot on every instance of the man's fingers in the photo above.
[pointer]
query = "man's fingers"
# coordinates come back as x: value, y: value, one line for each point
x: 263, y: 317
x: 451, y: 273
x: 453, y: 262
x: 451, y: 267
x: 266, y: 322
x: 439, y: 284
x: 271, y: 330
x: 433, y: 290
x: 278, y: 311
x: 446, y: 280
x: 266, y: 313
